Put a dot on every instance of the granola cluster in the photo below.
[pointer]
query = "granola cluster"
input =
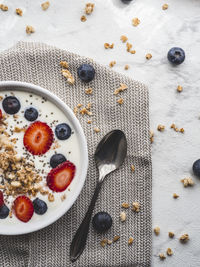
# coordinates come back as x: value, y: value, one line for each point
x: 66, y: 73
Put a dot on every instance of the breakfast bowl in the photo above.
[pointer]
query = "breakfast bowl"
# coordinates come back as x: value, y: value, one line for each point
x: 43, y: 158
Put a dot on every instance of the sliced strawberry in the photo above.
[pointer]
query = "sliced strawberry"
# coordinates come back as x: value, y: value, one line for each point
x: 60, y: 177
x: 1, y: 115
x: 38, y: 138
x: 1, y: 199
x: 23, y: 208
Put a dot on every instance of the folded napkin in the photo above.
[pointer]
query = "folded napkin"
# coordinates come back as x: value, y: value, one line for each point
x: 39, y: 64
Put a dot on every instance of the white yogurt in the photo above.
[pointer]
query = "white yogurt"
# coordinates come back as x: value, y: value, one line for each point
x: 48, y: 112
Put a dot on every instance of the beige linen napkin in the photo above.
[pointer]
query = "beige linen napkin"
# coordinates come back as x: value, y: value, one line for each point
x: 39, y: 64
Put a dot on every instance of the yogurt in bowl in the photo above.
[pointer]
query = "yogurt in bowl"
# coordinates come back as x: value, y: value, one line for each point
x: 43, y: 158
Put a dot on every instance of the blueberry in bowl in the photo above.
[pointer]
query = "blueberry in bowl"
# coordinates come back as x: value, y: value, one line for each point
x: 11, y: 105
x: 176, y: 55
x: 56, y: 160
x: 40, y: 206
x: 31, y: 114
x: 102, y: 221
x: 86, y: 72
x: 63, y: 131
x: 4, y: 212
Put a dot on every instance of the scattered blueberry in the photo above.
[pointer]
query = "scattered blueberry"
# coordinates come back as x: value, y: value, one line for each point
x: 56, y: 160
x: 196, y: 167
x: 63, y: 131
x: 4, y: 211
x: 126, y: 1
x: 31, y: 114
x: 40, y: 207
x: 86, y: 72
x: 176, y: 55
x: 11, y: 105
x: 102, y: 221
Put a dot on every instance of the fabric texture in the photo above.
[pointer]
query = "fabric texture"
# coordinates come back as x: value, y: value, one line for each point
x: 39, y: 64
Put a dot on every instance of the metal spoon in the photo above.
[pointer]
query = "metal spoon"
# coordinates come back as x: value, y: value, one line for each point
x: 109, y: 155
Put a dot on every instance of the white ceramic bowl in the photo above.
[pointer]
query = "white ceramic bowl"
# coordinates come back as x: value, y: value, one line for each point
x: 48, y: 218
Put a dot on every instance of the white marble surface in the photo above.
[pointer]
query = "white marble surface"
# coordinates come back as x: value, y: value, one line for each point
x: 172, y: 153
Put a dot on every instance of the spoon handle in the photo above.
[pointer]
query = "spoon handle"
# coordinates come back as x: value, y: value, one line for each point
x: 79, y: 240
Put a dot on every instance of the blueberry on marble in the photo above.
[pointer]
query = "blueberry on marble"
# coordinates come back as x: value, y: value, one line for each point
x: 176, y: 55
x: 126, y: 1
x: 4, y: 211
x: 102, y: 221
x: 86, y: 72
x: 196, y: 167
x: 40, y: 206
x: 11, y: 105
x: 31, y: 114
x: 56, y: 160
x: 63, y: 131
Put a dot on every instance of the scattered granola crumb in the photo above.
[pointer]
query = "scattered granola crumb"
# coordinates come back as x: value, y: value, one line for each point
x: 187, y: 182
x: 88, y: 91
x: 83, y: 18
x: 162, y: 256
x: 120, y: 101
x: 148, y: 56
x: 104, y: 242
x: 123, y: 38
x: 132, y: 168
x: 151, y: 136
x: 112, y: 63
x: 75, y: 110
x: 116, y: 238
x: 1, y: 97
x: 3, y: 7
x: 19, y: 11
x: 50, y: 197
x: 156, y: 230
x: 169, y: 252
x: 89, y: 121
x: 18, y: 130
x: 184, y: 238
x: 84, y: 111
x: 45, y: 5
x: 171, y: 234
x: 107, y: 45
x: 182, y: 130
x: 179, y: 88
x: 122, y: 216
x: 173, y: 126
x: 126, y: 67
x: 97, y: 130
x: 63, y: 197
x: 29, y: 29
x: 165, y: 6
x: 175, y: 195
x: 89, y: 7
x: 64, y: 64
x: 79, y: 105
x: 128, y: 46
x: 161, y: 128
x: 130, y: 241
x: 132, y: 51
x: 67, y: 74
x: 136, y: 206
x: 120, y: 89
x: 135, y: 22
x: 109, y: 242
x: 125, y: 205
x: 10, y: 213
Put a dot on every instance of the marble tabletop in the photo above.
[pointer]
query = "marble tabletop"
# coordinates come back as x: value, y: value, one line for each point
x: 172, y: 153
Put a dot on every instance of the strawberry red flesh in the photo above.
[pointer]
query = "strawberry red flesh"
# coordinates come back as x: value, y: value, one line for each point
x: 1, y: 199
x: 38, y: 138
x: 60, y: 177
x: 1, y: 115
x: 23, y: 208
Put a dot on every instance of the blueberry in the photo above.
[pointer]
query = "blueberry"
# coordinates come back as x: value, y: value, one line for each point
x: 63, y: 131
x: 196, y: 167
x: 40, y: 207
x: 176, y: 55
x: 86, y: 72
x: 102, y: 221
x: 31, y: 114
x: 4, y: 211
x: 126, y: 1
x: 56, y: 160
x: 11, y: 105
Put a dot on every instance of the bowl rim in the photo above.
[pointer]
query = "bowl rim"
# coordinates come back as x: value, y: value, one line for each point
x: 27, y: 87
